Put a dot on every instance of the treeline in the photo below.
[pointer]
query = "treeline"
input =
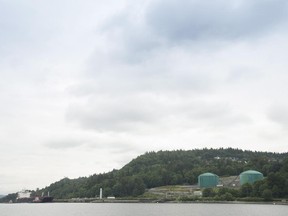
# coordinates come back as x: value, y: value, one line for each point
x: 179, y: 167
x: 9, y: 197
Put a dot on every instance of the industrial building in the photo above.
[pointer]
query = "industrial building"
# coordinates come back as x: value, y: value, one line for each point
x: 208, y: 180
x: 250, y: 176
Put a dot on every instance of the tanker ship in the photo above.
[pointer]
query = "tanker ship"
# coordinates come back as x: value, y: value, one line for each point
x: 24, y: 196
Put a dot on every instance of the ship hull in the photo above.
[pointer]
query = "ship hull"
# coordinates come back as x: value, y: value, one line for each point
x: 43, y: 199
x: 46, y: 199
x: 25, y: 200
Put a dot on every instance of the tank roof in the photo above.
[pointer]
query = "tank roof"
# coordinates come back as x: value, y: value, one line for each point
x: 251, y: 172
x: 208, y: 174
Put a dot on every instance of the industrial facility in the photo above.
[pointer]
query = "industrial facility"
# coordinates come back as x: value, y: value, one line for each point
x: 250, y: 176
x: 208, y: 180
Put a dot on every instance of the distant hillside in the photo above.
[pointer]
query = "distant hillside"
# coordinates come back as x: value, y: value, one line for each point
x: 161, y: 168
x: 183, y: 167
x: 8, y: 197
x: 154, y: 169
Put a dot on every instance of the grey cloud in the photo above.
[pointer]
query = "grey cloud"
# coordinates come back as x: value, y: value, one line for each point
x: 125, y: 83
x: 142, y: 112
x: 129, y: 37
x: 279, y: 115
x: 25, y: 28
x: 117, y: 145
x: 7, y: 183
x: 190, y: 24
x: 172, y: 70
x: 243, y: 74
x: 214, y: 114
x: 64, y: 144
x: 214, y: 20
x: 111, y: 114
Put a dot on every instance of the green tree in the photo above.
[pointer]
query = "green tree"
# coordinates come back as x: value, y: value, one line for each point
x: 246, y: 190
x: 267, y: 195
x: 258, y: 188
x: 228, y: 196
x: 208, y: 192
x: 139, y: 187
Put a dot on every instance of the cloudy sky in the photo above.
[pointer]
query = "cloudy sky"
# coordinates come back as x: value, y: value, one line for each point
x: 86, y: 86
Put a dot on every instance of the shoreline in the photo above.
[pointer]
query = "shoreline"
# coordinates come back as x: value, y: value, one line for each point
x: 166, y: 202
x: 139, y: 201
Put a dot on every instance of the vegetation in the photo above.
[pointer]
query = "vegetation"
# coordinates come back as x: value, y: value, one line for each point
x: 154, y: 169
x: 9, y: 197
x: 275, y: 185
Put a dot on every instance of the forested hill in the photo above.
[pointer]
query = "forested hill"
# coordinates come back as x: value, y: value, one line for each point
x: 154, y: 169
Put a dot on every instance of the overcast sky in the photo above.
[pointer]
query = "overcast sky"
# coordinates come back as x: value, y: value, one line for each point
x: 86, y: 86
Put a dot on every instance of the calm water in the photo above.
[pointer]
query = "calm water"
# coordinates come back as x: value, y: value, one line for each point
x: 115, y: 209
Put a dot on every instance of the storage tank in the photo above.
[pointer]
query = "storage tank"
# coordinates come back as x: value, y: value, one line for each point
x: 250, y: 176
x: 208, y: 180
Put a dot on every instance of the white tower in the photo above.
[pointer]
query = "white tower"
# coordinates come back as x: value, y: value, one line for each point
x: 100, y: 197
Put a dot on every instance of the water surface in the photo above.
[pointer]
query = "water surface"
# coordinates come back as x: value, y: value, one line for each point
x: 155, y: 209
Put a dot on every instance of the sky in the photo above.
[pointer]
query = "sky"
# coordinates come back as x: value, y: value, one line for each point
x: 86, y: 86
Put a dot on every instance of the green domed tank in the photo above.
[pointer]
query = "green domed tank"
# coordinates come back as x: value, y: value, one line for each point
x: 250, y: 176
x: 208, y: 180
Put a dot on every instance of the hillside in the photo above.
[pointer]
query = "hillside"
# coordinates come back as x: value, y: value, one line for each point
x: 154, y: 169
x: 161, y: 168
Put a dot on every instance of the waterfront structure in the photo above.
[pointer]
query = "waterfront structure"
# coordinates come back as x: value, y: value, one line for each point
x: 208, y: 180
x: 101, y: 194
x: 250, y: 176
